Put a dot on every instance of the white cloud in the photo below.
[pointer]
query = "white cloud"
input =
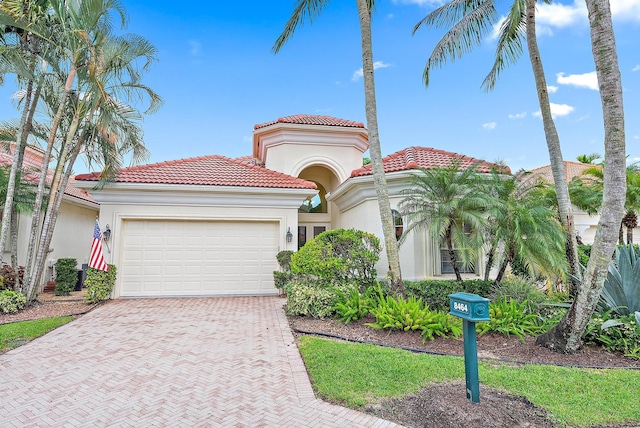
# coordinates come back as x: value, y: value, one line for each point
x: 518, y: 115
x: 552, y: 89
x: 420, y: 2
x: 376, y: 65
x: 586, y: 80
x: 636, y: 68
x: 559, y: 15
x: 489, y: 126
x: 558, y: 110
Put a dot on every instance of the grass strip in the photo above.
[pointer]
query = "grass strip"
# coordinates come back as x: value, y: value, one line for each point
x: 354, y: 374
x: 15, y: 334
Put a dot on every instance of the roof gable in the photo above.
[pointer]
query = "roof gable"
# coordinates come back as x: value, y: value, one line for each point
x: 545, y: 174
x: 425, y: 157
x: 213, y: 170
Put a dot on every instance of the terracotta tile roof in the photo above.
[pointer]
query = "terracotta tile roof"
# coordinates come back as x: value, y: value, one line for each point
x: 544, y: 173
x: 210, y: 170
x: 250, y: 160
x: 424, y: 157
x: 305, y: 119
x: 32, y: 163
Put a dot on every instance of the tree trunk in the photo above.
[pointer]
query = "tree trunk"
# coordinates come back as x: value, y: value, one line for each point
x: 14, y: 249
x: 621, y: 234
x: 566, y: 336
x: 508, y: 258
x: 491, y: 254
x: 30, y: 280
x: 375, y: 151
x: 16, y: 165
x: 555, y: 152
x: 452, y: 254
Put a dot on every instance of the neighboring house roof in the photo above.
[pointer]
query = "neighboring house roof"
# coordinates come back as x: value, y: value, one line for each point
x: 544, y: 173
x: 305, y: 119
x: 32, y: 164
x: 425, y: 157
x: 213, y: 170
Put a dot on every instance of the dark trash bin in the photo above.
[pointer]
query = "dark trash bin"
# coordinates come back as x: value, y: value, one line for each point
x: 82, y: 275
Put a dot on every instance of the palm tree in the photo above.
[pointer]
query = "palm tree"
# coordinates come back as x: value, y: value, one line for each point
x: 526, y: 228
x: 311, y: 9
x: 589, y: 159
x: 566, y: 336
x: 450, y: 203
x: 469, y: 22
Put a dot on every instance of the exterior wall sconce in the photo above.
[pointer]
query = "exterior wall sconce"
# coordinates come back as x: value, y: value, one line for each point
x: 289, y: 235
x: 106, y: 234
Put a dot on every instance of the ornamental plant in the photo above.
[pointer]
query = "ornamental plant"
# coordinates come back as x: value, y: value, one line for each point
x: 621, y: 334
x: 312, y: 297
x: 621, y: 291
x: 99, y: 284
x: 11, y: 301
x: 339, y: 255
x: 353, y: 305
x: 66, y: 276
x: 507, y: 317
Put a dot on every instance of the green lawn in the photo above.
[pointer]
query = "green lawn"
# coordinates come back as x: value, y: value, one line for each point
x: 15, y: 334
x: 357, y: 374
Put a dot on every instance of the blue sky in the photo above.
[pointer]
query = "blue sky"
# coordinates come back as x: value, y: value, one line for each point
x: 218, y: 77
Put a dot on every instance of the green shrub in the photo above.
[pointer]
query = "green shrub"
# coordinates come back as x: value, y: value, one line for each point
x: 280, y: 279
x: 520, y: 290
x: 411, y: 314
x: 616, y: 335
x: 584, y: 252
x: 284, y: 260
x: 66, y: 276
x: 99, y: 284
x: 353, y: 305
x: 340, y: 255
x: 435, y: 293
x: 11, y: 301
x: 312, y: 297
x: 508, y: 317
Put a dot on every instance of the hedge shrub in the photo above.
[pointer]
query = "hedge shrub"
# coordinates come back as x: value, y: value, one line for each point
x: 340, y: 255
x: 435, y: 292
x: 66, y: 276
x: 309, y: 296
x: 11, y: 301
x: 99, y: 284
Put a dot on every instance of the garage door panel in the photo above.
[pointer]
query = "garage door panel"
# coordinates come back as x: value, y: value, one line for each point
x: 173, y: 258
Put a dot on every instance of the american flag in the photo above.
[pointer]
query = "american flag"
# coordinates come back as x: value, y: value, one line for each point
x: 96, y: 260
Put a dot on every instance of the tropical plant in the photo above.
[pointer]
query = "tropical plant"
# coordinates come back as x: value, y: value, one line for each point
x: 621, y: 290
x: 621, y: 334
x: 99, y: 284
x: 450, y: 203
x: 310, y: 9
x: 507, y: 317
x: 310, y: 297
x: 566, y: 336
x: 468, y: 22
x: 353, y: 305
x: 66, y: 276
x: 520, y: 290
x: 410, y: 314
x: 525, y: 228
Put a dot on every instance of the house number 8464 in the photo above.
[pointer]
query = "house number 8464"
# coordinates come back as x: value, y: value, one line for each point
x: 460, y: 307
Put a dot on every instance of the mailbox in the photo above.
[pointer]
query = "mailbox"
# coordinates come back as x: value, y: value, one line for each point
x: 470, y: 307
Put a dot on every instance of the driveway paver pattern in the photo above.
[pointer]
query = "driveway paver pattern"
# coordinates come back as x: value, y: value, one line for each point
x: 188, y: 362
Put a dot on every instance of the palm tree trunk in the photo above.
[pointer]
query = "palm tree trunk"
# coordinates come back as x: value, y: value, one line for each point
x: 379, y: 179
x: 621, y: 235
x: 509, y: 257
x: 491, y: 254
x: 555, y: 152
x: 14, y: 248
x: 566, y: 336
x: 30, y: 280
x: 452, y: 254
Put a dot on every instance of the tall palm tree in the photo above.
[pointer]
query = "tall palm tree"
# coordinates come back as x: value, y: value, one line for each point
x: 468, y: 23
x: 566, y: 336
x: 450, y: 203
x: 310, y: 9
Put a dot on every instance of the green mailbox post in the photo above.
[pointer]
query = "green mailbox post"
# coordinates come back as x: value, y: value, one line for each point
x: 471, y: 308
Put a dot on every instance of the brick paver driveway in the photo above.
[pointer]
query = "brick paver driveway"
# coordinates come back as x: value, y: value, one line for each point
x: 228, y: 362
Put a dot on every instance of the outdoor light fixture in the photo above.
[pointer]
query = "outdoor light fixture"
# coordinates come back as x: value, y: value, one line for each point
x: 107, y: 233
x: 289, y: 235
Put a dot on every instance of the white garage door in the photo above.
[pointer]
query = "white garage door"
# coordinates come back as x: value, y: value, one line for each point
x: 197, y: 258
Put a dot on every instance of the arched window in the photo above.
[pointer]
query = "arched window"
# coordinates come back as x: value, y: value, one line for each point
x: 317, y: 203
x: 397, y: 222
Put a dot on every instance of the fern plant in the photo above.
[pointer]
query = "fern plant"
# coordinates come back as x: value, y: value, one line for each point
x: 507, y: 316
x: 352, y: 305
x: 621, y: 291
